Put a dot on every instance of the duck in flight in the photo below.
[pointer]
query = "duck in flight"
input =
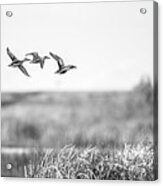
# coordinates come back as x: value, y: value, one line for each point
x: 62, y: 67
x: 17, y: 63
x: 38, y: 59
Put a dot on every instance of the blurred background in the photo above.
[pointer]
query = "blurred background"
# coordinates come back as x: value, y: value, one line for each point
x: 58, y: 118
x: 40, y: 120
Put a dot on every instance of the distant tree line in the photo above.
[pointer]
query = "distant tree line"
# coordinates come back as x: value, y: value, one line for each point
x: 145, y: 88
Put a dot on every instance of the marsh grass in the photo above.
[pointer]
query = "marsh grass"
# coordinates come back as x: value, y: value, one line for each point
x: 131, y: 162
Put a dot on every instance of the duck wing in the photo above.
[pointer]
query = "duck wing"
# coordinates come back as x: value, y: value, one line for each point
x: 42, y: 64
x: 22, y: 68
x: 11, y: 55
x: 58, y: 59
x: 34, y: 54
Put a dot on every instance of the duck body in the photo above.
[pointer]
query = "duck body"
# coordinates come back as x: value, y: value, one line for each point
x: 65, y: 69
x: 17, y: 63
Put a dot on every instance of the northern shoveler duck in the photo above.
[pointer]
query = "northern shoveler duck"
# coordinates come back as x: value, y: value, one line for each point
x: 62, y: 67
x: 38, y: 59
x: 17, y: 63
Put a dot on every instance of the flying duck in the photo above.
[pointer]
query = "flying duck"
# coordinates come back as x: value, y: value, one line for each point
x: 37, y: 59
x: 62, y: 67
x: 17, y: 63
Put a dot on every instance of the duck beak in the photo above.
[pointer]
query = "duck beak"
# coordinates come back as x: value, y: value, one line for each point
x: 9, y: 65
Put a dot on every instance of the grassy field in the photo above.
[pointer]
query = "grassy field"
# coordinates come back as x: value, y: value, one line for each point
x: 104, y: 120
x: 55, y: 119
x: 132, y: 162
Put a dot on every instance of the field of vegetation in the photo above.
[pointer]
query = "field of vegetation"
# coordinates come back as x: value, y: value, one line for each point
x: 111, y: 134
x: 132, y: 162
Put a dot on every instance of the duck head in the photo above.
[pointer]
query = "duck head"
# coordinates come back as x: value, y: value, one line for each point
x: 72, y: 66
x: 26, y: 59
x: 46, y: 57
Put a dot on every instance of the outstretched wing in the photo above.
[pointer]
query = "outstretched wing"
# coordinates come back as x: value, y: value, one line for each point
x: 42, y: 61
x: 42, y: 64
x: 23, y: 70
x: 34, y: 54
x: 58, y: 59
x: 11, y: 55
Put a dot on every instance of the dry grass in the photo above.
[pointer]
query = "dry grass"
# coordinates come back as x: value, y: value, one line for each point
x: 132, y: 162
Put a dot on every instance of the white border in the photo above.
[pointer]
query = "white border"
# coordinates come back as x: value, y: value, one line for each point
x: 42, y: 182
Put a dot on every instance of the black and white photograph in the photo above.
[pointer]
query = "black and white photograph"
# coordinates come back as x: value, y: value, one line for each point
x: 79, y: 90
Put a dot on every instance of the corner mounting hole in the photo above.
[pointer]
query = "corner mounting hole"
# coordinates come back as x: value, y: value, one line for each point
x: 143, y: 10
x: 9, y: 14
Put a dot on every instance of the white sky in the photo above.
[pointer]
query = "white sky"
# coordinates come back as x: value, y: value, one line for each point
x: 110, y: 43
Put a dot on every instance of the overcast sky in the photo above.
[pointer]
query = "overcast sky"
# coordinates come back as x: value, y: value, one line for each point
x: 110, y: 43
